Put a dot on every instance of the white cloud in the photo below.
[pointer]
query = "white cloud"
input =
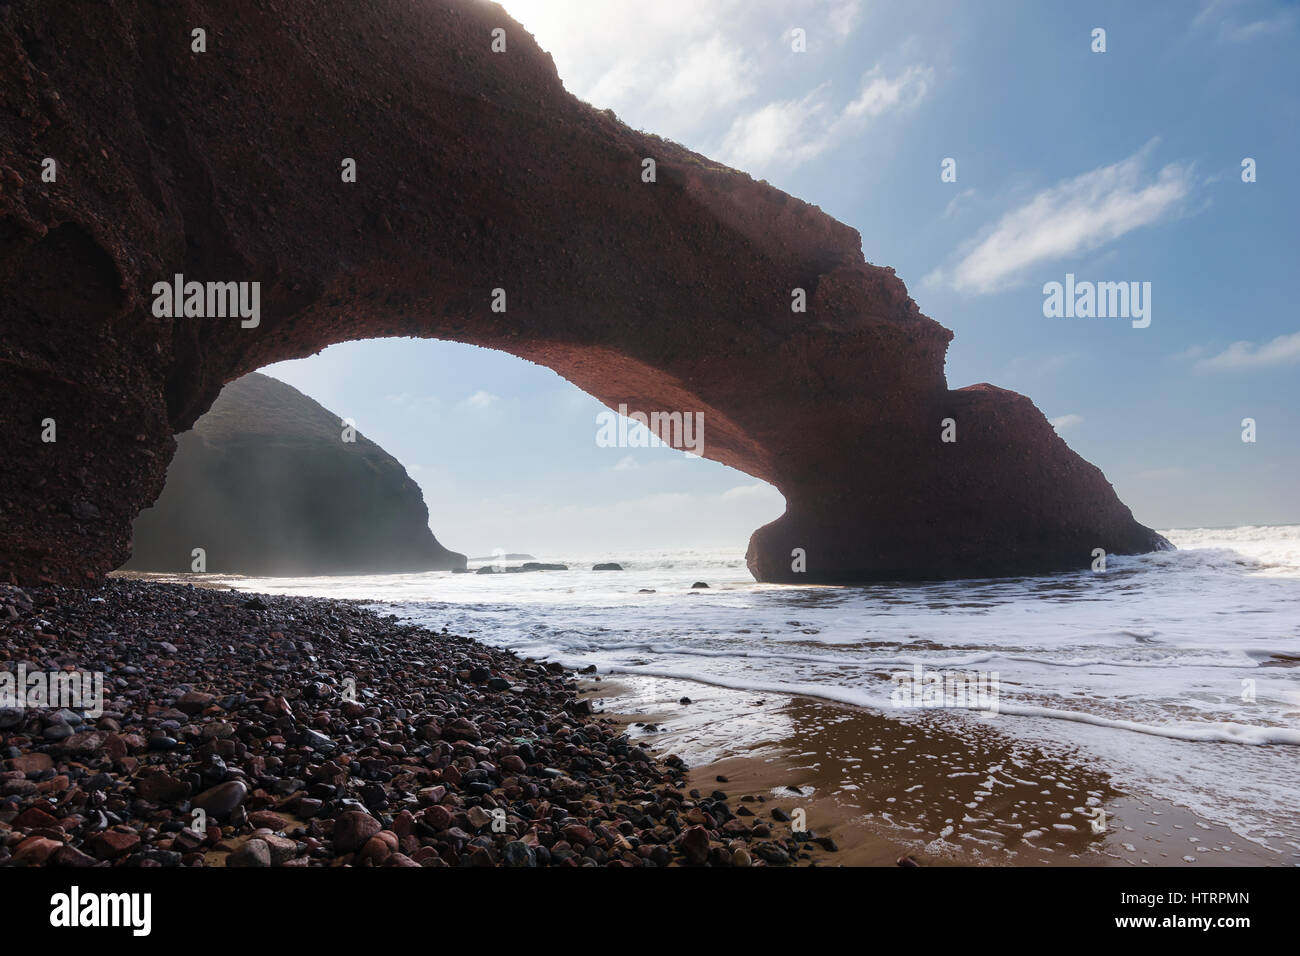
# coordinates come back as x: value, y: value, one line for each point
x: 713, y: 71
x: 482, y: 399
x: 692, y: 71
x: 956, y: 201
x: 1075, y: 216
x: 1248, y: 31
x: 788, y: 133
x: 793, y: 129
x: 880, y: 95
x: 1065, y: 421
x: 1189, y: 353
x: 1232, y: 28
x: 759, y: 491
x: 626, y: 463
x: 844, y: 18
x: 1283, y: 350
x: 669, y: 60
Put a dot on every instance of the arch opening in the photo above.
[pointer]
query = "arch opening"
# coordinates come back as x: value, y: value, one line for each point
x: 305, y: 467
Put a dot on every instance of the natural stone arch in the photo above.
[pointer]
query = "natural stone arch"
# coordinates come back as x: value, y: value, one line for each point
x: 474, y: 171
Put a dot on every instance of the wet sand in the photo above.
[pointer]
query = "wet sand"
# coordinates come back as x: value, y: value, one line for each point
x: 930, y: 786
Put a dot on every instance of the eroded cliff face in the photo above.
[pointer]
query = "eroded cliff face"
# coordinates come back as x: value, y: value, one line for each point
x: 475, y: 171
x: 270, y: 482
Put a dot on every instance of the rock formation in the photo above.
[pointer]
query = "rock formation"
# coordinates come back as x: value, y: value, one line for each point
x: 475, y: 171
x: 265, y: 484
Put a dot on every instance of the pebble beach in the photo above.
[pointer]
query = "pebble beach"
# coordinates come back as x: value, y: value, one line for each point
x: 312, y: 732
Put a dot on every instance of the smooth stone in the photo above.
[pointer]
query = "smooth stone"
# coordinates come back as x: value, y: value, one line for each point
x: 34, y: 851
x: 282, y: 848
x: 32, y: 763
x: 352, y: 829
x: 254, y: 852
x: 695, y: 844
x: 111, y: 844
x: 519, y: 854
x: 317, y: 741
x: 221, y: 800
x: 194, y: 702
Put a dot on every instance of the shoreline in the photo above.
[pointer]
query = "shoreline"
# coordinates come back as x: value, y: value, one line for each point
x: 885, y: 788
x: 213, y: 689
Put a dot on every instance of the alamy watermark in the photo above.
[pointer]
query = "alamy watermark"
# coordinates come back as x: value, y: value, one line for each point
x: 209, y: 300
x: 684, y: 430
x: 75, y: 909
x: 71, y: 690
x: 1099, y: 300
x: 968, y: 690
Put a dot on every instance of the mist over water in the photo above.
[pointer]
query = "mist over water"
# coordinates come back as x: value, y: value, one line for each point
x: 1179, y: 671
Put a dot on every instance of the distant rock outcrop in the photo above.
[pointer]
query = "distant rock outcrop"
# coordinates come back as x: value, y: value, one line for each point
x: 521, y: 568
x: 265, y: 484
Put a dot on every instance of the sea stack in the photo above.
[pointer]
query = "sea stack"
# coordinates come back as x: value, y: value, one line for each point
x: 267, y: 483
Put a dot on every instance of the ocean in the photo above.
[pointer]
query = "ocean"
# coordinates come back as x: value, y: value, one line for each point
x: 1177, y: 673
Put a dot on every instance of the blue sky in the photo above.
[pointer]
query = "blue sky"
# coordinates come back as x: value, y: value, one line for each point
x: 1122, y: 166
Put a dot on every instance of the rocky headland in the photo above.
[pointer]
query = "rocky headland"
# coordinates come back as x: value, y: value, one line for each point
x: 268, y: 482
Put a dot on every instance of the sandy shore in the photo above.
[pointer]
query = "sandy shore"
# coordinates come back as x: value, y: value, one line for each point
x: 924, y: 787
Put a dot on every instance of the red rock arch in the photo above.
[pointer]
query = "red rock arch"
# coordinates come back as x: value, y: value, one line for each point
x: 475, y: 171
